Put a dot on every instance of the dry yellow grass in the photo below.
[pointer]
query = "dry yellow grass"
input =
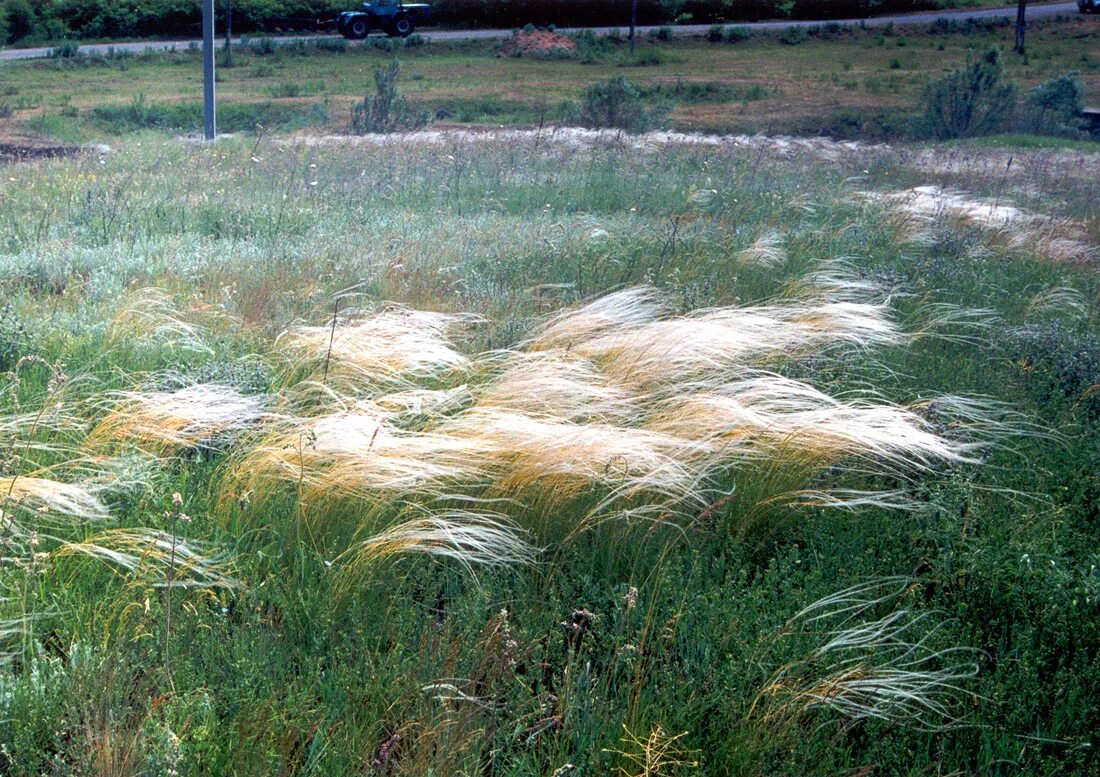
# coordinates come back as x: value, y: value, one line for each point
x: 615, y: 403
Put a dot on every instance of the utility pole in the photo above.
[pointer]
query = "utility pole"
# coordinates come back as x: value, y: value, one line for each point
x: 1021, y: 11
x: 209, y: 125
x: 229, y: 33
x: 633, y: 22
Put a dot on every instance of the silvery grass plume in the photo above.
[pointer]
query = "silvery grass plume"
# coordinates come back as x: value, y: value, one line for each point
x: 12, y: 631
x: 766, y: 251
x: 131, y: 473
x: 867, y: 668
x: 50, y: 501
x: 471, y: 538
x: 1059, y: 301
x: 30, y: 504
x: 161, y: 559
x: 561, y: 459
x: 42, y: 430
x: 355, y: 453
x: 379, y: 352
x: 625, y: 406
x: 150, y: 316
x: 722, y: 342
x: 555, y: 384
x: 618, y: 311
x: 764, y: 414
x: 166, y: 422
x: 921, y: 207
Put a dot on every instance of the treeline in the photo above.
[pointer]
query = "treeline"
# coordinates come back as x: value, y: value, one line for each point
x: 604, y: 13
x: 23, y: 20
x: 26, y: 21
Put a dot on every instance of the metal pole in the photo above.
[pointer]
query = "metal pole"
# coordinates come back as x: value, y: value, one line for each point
x: 209, y: 128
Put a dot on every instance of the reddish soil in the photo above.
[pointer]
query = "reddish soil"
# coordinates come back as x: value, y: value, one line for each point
x: 538, y: 41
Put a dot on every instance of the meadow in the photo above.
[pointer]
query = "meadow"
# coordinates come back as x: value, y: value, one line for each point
x: 541, y: 450
x: 844, y: 83
x: 549, y: 453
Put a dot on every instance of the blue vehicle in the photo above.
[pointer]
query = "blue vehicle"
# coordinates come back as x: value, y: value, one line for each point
x: 1088, y: 6
x: 392, y: 17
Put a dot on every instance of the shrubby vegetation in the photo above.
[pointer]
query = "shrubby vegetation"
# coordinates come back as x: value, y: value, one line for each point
x: 386, y: 110
x: 21, y: 20
x: 973, y: 100
x: 978, y: 100
x: 617, y: 104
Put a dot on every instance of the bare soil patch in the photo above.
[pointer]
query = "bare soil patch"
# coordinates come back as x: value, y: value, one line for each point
x: 540, y: 41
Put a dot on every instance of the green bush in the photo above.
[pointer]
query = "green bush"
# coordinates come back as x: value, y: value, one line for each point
x: 386, y: 110
x: 974, y: 100
x: 66, y: 50
x: 737, y: 34
x: 1055, y: 107
x: 792, y: 36
x: 19, y: 20
x: 616, y: 104
x: 644, y: 58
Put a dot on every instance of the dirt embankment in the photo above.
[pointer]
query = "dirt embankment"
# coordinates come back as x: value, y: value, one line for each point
x: 537, y: 42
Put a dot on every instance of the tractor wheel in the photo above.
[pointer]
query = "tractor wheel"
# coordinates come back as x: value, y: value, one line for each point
x: 403, y: 27
x: 356, y: 29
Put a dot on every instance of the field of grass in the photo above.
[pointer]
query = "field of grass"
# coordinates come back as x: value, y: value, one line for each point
x: 843, y: 83
x: 546, y: 453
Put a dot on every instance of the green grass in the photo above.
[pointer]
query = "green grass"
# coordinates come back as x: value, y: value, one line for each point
x: 830, y: 81
x: 318, y: 667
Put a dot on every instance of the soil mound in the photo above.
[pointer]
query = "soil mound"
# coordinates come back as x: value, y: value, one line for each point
x: 538, y: 42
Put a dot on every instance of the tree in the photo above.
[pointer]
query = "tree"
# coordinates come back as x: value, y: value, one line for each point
x: 1021, y: 12
x: 633, y: 22
x: 971, y: 101
x: 229, y: 33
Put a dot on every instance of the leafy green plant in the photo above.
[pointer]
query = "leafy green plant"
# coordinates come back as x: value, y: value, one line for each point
x: 386, y: 110
x: 738, y: 34
x: 792, y: 36
x: 973, y: 100
x: 1055, y: 107
x: 66, y: 50
x: 616, y: 104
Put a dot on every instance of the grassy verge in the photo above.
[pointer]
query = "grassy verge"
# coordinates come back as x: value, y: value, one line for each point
x: 843, y: 83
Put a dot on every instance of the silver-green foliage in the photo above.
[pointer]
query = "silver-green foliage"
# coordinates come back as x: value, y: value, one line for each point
x: 1055, y: 106
x: 973, y: 100
x: 386, y: 110
x: 616, y: 104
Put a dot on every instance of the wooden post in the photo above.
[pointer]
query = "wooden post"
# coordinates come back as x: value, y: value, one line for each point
x: 1021, y: 12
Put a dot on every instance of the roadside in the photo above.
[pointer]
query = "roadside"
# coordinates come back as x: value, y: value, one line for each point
x: 845, y: 83
x: 1035, y: 11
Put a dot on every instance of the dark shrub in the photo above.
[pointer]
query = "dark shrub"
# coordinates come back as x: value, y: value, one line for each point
x: 616, y: 104
x: 386, y: 110
x: 973, y: 100
x: 1055, y: 107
